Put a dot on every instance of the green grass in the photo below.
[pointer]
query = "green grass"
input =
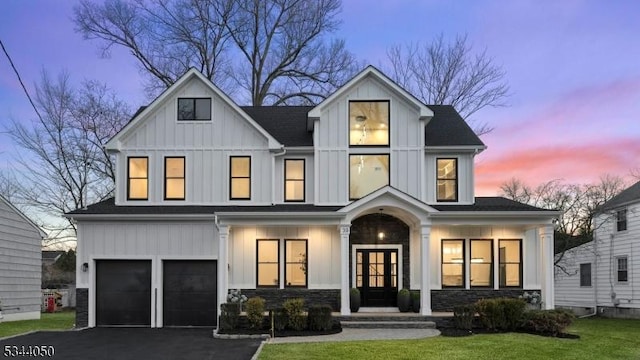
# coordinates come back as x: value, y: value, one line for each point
x: 599, y: 339
x: 56, y: 321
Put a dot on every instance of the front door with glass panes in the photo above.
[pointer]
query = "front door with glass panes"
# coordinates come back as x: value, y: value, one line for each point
x: 377, y: 276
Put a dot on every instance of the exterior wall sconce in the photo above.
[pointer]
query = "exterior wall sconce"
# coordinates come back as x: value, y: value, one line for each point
x: 85, y: 267
x: 381, y: 235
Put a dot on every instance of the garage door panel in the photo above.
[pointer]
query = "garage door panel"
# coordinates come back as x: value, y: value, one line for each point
x: 123, y: 292
x: 190, y: 293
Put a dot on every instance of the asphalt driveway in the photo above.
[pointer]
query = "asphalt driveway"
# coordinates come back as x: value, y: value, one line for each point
x: 137, y: 343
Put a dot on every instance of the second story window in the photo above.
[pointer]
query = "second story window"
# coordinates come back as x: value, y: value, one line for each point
x: 621, y: 220
x: 447, y: 180
x: 367, y: 173
x: 293, y: 180
x: 240, y: 178
x: 622, y: 275
x: 137, y: 178
x: 174, y: 178
x: 369, y: 123
x: 194, y: 109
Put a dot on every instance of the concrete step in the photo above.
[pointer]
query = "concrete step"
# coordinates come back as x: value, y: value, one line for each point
x: 387, y: 324
x: 384, y: 317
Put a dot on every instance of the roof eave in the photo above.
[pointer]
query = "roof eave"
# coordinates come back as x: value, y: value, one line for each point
x: 462, y: 148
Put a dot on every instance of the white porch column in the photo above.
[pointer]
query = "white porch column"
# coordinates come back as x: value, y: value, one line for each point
x: 546, y: 255
x: 223, y: 264
x: 425, y: 268
x: 345, y: 308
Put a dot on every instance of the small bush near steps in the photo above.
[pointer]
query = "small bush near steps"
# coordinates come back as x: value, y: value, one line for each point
x: 255, y: 312
x: 320, y: 318
x: 295, y: 313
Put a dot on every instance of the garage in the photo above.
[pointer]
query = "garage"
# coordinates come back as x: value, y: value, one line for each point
x: 189, y: 292
x: 123, y: 292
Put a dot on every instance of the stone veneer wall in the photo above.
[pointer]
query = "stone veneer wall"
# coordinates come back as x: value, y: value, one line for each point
x: 364, y: 230
x: 82, y: 307
x: 446, y: 300
x: 276, y: 297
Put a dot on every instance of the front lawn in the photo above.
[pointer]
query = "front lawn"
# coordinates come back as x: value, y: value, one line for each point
x: 599, y: 339
x: 57, y: 321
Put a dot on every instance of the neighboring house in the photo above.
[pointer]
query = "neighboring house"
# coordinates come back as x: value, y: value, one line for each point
x: 49, y: 257
x: 20, y: 264
x: 604, y: 274
x: 370, y: 189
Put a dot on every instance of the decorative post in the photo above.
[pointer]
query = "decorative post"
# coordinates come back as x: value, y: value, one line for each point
x: 223, y: 270
x: 546, y: 254
x: 345, y: 230
x: 425, y: 266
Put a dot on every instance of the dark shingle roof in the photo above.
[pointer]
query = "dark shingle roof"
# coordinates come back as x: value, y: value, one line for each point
x: 448, y: 128
x: 490, y: 204
x: 630, y: 194
x: 288, y: 124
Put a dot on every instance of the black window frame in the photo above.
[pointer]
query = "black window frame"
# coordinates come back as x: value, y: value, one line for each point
x: 500, y: 268
x: 303, y: 180
x: 372, y: 154
x: 129, y: 178
x: 455, y: 180
x: 622, y: 275
x: 585, y: 275
x: 178, y: 115
x: 621, y: 220
x: 306, y: 264
x: 258, y: 241
x: 463, y: 264
x: 388, y: 123
x: 184, y: 178
x: 491, y: 266
x: 231, y: 177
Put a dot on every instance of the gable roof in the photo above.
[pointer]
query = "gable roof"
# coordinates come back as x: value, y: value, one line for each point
x: 22, y: 215
x: 628, y: 195
x: 425, y: 112
x: 288, y: 124
x: 448, y: 128
x: 114, y: 142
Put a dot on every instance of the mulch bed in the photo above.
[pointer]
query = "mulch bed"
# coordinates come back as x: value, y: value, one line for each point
x: 285, y: 333
x: 453, y: 332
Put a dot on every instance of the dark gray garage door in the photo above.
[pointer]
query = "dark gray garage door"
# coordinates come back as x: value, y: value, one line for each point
x: 123, y: 292
x: 190, y: 293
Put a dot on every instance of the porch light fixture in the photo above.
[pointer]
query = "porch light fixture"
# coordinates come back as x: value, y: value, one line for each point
x: 381, y: 235
x: 85, y: 267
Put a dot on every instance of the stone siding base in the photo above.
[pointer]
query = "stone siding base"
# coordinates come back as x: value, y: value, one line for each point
x: 82, y: 307
x: 618, y: 312
x: 276, y: 297
x: 446, y: 300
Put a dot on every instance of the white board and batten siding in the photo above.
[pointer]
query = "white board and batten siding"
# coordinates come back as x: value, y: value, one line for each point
x: 466, y: 193
x: 568, y: 292
x: 206, y: 146
x: 20, y: 265
x: 323, y: 254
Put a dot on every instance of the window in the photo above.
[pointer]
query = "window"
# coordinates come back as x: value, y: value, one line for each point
x: 367, y: 173
x: 481, y: 272
x: 452, y: 263
x: 240, y: 181
x: 138, y: 178
x: 622, y: 269
x: 621, y: 220
x: 510, y: 263
x: 174, y: 178
x: 293, y: 180
x: 585, y: 274
x: 295, y: 271
x: 194, y: 109
x: 447, y: 181
x: 369, y: 123
x: 268, y: 267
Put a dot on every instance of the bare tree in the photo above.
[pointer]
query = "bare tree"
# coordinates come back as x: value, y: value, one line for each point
x: 63, y: 166
x: 277, y: 51
x: 441, y: 73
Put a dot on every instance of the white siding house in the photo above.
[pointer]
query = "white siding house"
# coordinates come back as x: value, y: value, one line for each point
x: 603, y: 275
x: 20, y: 264
x: 369, y: 189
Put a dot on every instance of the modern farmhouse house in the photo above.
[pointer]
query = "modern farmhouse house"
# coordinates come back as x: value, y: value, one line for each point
x: 603, y: 275
x: 370, y: 189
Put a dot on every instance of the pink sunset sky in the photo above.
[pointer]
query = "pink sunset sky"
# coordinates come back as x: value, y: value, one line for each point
x: 573, y: 68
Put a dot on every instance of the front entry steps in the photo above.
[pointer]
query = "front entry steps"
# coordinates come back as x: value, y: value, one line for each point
x: 386, y: 321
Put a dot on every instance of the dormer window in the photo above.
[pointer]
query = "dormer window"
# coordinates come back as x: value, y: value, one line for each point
x: 369, y: 123
x: 194, y: 109
x: 447, y: 180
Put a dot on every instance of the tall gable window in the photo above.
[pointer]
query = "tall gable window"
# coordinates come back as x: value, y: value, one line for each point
x: 137, y: 178
x: 240, y: 178
x: 268, y: 265
x: 452, y: 263
x: 367, y: 173
x: 294, y: 180
x: 194, y: 109
x: 369, y: 123
x: 621, y: 220
x: 510, y: 263
x: 174, y: 183
x: 447, y: 180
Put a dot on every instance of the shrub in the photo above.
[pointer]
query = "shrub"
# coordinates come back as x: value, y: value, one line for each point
x: 294, y: 309
x: 513, y: 310
x: 229, y: 316
x: 320, y: 318
x: 551, y: 322
x: 490, y: 314
x: 463, y: 316
x: 255, y: 312
x: 280, y: 319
